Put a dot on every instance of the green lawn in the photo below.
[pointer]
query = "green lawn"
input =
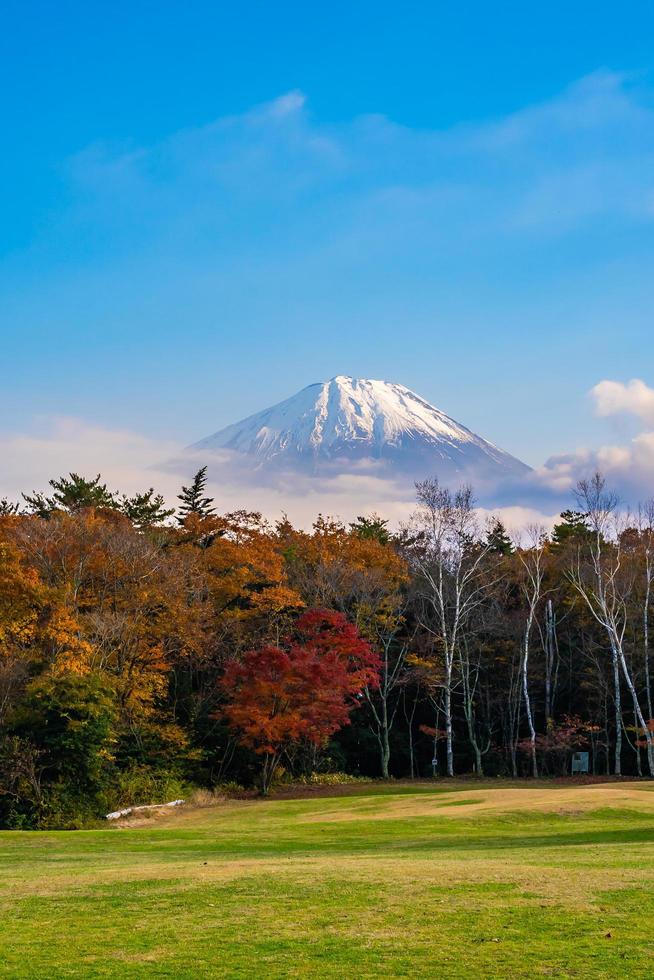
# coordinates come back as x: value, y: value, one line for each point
x: 453, y: 880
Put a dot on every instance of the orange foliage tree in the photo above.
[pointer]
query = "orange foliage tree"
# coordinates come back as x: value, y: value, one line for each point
x: 21, y: 602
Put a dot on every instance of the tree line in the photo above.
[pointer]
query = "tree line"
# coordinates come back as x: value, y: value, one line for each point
x: 144, y: 647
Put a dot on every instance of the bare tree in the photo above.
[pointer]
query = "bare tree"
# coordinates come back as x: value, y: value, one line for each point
x: 551, y: 646
x: 451, y: 583
x: 383, y: 701
x: 532, y: 560
x: 605, y: 584
x: 469, y: 662
x: 409, y: 715
x: 646, y: 528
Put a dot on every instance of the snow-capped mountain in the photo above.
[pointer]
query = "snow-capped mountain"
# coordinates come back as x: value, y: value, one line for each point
x: 350, y: 422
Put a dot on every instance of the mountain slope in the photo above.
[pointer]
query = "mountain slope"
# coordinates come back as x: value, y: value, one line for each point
x: 329, y: 427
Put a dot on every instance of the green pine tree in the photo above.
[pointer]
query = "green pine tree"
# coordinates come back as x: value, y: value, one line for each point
x: 572, y: 527
x: 497, y: 540
x: 373, y: 527
x: 71, y: 494
x: 146, y: 509
x: 194, y: 500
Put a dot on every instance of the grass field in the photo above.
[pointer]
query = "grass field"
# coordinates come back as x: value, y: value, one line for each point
x: 446, y: 880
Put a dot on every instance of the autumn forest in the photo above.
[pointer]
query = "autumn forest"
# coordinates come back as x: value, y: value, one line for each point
x: 146, y: 649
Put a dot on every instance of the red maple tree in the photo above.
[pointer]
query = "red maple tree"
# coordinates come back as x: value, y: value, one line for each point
x: 303, y: 690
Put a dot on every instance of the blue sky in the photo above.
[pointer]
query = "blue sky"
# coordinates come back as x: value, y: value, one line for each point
x: 208, y: 206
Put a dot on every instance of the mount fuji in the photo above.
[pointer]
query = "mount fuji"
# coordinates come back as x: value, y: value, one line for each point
x: 351, y: 425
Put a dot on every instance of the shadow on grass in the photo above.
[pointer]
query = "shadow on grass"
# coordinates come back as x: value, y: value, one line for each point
x: 397, y: 837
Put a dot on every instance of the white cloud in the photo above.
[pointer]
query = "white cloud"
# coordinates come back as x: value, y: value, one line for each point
x: 128, y: 462
x: 634, y: 398
x: 628, y: 467
x: 517, y: 518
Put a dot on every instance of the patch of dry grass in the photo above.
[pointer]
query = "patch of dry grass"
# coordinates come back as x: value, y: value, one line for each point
x: 572, y: 800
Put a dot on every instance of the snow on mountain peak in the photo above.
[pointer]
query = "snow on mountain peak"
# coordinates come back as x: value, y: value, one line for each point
x: 347, y: 419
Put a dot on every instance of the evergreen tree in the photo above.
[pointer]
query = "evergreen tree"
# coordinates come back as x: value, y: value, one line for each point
x: 146, y: 509
x: 373, y: 527
x: 573, y: 526
x: 71, y: 494
x: 194, y: 500
x: 497, y: 539
x: 7, y: 509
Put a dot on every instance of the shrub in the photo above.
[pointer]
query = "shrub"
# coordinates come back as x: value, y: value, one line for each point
x: 63, y: 726
x: 139, y: 786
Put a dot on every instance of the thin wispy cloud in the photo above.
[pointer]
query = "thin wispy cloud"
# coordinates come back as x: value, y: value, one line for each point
x: 587, y: 151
